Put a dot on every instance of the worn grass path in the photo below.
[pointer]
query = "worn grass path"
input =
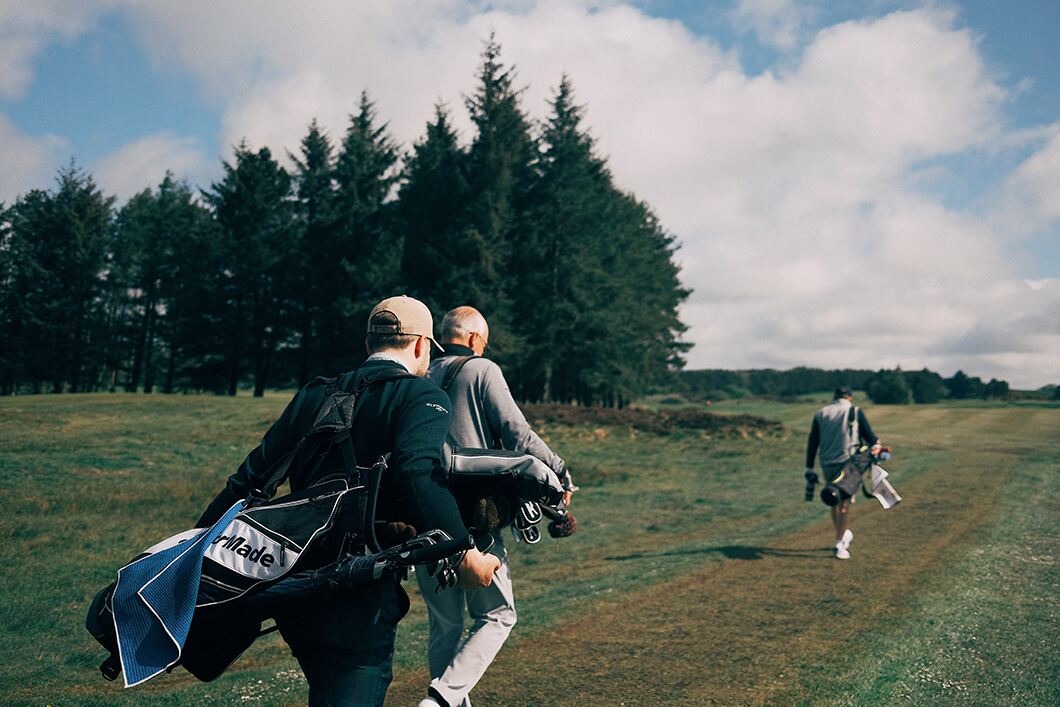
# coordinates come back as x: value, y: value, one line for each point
x: 783, y: 622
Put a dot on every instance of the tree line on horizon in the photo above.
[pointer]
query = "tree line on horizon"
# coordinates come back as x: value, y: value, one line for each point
x: 885, y: 386
x: 266, y: 278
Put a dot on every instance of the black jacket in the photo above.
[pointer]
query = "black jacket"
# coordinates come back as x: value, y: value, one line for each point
x: 408, y: 417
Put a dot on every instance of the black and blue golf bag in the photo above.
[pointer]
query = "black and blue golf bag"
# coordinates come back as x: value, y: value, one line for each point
x: 199, y: 598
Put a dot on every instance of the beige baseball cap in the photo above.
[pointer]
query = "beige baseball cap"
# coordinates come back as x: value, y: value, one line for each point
x: 413, y: 318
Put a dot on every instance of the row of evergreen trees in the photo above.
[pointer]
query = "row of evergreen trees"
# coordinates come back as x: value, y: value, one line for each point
x: 266, y: 278
x: 883, y: 386
x: 898, y: 387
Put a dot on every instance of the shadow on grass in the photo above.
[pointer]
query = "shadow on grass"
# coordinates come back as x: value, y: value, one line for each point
x: 733, y: 552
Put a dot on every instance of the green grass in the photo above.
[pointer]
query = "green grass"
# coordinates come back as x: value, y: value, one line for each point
x: 982, y: 632
x: 87, y: 481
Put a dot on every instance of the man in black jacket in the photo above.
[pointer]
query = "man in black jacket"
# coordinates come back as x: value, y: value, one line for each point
x: 346, y: 646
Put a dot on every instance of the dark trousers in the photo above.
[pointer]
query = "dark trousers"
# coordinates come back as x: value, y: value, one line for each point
x: 343, y: 640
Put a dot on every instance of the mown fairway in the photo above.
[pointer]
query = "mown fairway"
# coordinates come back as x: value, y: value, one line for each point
x: 698, y: 576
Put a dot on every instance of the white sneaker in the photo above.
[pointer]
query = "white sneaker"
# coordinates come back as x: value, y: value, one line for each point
x: 848, y: 537
x: 841, y: 552
x: 428, y: 702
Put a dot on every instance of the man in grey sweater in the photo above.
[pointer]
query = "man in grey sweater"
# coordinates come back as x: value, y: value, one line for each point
x: 484, y: 415
x: 836, y: 433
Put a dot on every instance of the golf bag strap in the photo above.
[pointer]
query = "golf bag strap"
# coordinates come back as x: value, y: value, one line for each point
x: 453, y: 370
x: 280, y: 470
x: 855, y: 439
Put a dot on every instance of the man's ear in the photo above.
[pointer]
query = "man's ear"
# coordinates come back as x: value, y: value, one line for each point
x: 421, y: 342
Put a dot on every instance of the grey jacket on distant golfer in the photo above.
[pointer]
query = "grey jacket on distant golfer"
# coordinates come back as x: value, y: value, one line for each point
x: 484, y: 414
x: 832, y: 434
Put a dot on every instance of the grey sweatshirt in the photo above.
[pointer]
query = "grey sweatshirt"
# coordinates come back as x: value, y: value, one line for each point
x: 484, y: 414
x: 832, y: 436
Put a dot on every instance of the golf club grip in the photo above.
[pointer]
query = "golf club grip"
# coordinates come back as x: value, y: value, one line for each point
x: 551, y: 511
x: 439, y: 551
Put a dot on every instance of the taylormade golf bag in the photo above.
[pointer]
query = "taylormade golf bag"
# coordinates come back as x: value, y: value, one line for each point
x: 199, y: 597
x: 219, y: 632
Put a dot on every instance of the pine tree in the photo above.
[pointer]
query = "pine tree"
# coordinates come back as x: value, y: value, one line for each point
x: 501, y: 173
x: 149, y: 280
x: 10, y: 306
x: 253, y: 207
x: 57, y: 243
x: 367, y: 250
x: 598, y: 286
x: 431, y: 204
x: 562, y: 254
x: 315, y: 180
x: 926, y: 386
x: 889, y: 388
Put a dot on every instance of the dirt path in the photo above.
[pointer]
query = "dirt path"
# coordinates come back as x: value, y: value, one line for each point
x: 747, y: 630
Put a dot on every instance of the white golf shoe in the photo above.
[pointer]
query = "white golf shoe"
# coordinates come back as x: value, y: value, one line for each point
x: 841, y: 553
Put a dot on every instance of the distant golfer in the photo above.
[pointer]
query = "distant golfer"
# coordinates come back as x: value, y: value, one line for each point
x: 833, y: 435
x: 484, y: 416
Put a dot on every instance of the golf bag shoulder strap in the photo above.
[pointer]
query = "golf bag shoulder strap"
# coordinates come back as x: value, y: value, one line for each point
x: 855, y: 438
x: 333, y: 424
x: 454, y: 369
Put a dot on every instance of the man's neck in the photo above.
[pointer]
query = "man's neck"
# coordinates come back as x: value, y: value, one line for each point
x: 389, y: 356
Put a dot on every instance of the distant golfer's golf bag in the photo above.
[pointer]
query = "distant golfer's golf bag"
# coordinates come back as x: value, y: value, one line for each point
x: 874, y: 484
x: 199, y: 598
x: 497, y: 488
x: 847, y: 482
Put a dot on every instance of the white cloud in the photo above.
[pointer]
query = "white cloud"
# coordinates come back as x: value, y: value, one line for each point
x: 797, y: 193
x: 26, y: 27
x: 29, y: 161
x: 142, y: 164
x: 1032, y: 192
x: 777, y: 23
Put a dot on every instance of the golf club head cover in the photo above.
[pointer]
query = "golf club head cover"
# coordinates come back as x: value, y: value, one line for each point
x: 524, y: 525
x: 528, y: 515
x: 530, y: 536
x: 490, y: 513
x: 390, y: 534
x: 564, y: 526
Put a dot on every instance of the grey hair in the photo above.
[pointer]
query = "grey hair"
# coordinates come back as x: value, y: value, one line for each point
x: 461, y: 322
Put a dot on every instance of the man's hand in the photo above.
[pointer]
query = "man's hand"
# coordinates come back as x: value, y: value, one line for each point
x: 476, y: 571
x: 567, y: 497
x: 811, y: 482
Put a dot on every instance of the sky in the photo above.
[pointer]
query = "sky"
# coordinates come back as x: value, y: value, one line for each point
x: 857, y: 184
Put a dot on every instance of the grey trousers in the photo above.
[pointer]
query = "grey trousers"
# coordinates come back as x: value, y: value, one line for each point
x: 457, y: 666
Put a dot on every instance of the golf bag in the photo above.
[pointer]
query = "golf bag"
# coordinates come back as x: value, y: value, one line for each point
x: 497, y: 488
x: 220, y: 633
x: 846, y: 483
x: 198, y: 599
x: 874, y: 484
